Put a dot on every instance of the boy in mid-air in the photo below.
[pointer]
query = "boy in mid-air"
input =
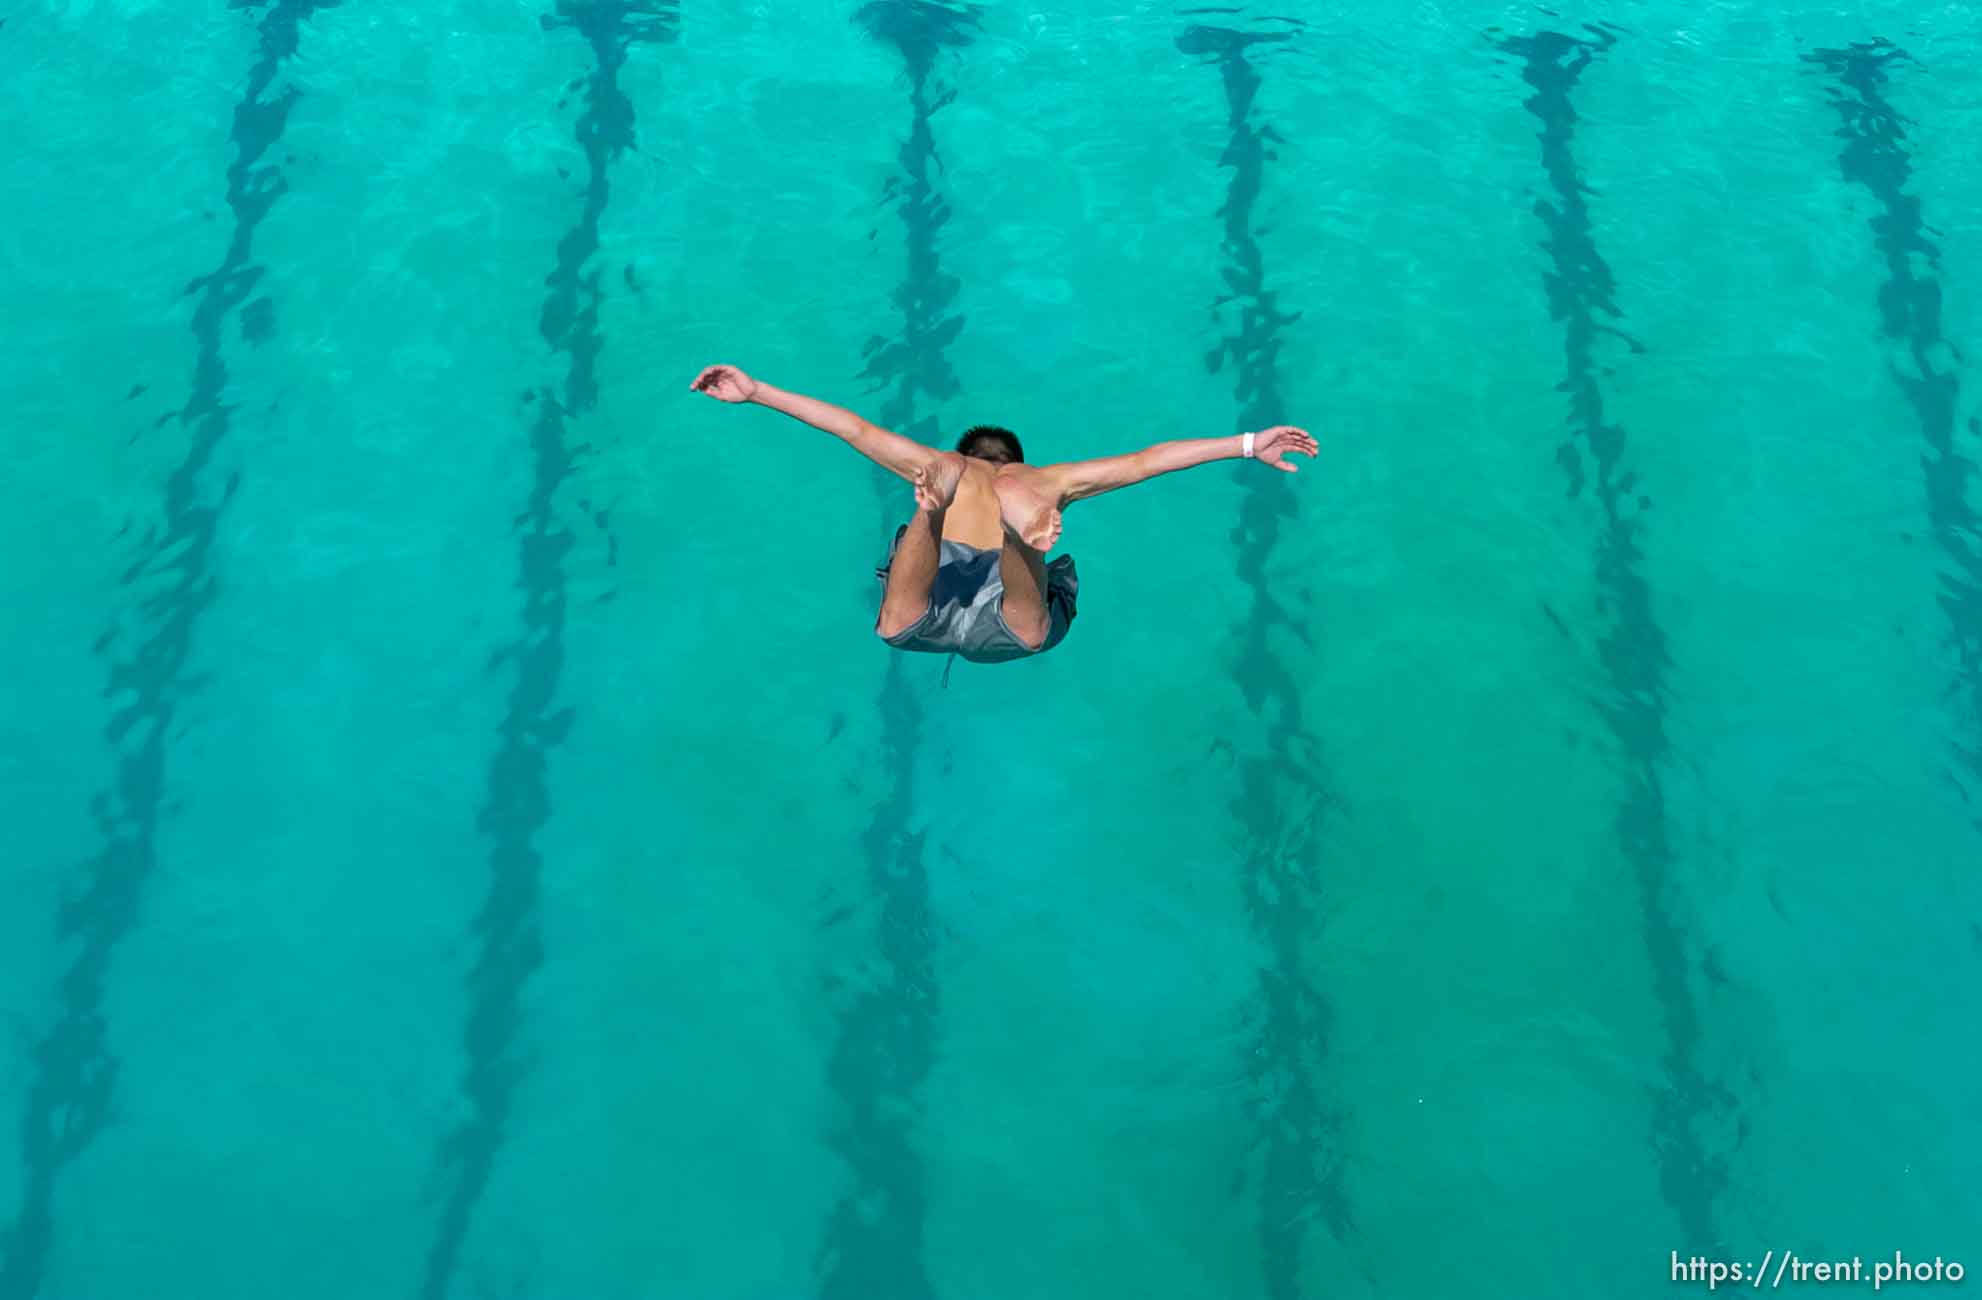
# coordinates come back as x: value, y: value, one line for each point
x: 968, y: 574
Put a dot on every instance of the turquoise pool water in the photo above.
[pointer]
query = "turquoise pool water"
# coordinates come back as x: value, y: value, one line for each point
x: 463, y: 840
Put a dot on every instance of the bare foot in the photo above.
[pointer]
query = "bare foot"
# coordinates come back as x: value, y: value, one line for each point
x: 1028, y: 505
x: 936, y: 482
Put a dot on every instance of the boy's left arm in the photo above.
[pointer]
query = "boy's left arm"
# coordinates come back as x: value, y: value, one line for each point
x: 886, y: 448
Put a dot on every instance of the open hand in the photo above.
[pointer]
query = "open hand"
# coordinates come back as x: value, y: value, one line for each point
x: 725, y: 384
x: 1274, y: 445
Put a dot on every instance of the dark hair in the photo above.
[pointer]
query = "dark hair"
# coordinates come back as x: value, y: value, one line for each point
x: 974, y: 438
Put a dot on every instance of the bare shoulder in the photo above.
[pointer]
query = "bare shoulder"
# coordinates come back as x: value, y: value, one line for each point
x: 1072, y: 480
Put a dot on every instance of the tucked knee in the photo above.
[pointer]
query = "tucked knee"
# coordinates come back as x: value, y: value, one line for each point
x: 1030, y: 629
x: 893, y: 622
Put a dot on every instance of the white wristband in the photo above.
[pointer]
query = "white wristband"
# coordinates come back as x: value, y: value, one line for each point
x: 1247, y: 449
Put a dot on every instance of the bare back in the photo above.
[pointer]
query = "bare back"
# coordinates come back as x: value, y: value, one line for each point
x: 973, y: 517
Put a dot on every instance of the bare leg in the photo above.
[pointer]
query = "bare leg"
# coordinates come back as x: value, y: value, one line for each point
x: 913, y: 571
x: 1024, y: 572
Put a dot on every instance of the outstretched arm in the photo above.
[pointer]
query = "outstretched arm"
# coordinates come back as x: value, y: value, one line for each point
x: 885, y: 448
x: 1089, y: 478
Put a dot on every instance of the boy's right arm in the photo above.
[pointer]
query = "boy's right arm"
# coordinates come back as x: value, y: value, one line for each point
x: 1088, y: 478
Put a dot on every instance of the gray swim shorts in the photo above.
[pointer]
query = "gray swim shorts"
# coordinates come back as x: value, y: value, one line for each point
x: 966, y: 606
